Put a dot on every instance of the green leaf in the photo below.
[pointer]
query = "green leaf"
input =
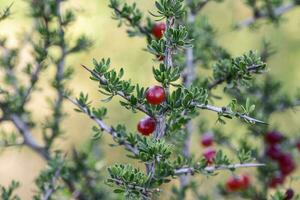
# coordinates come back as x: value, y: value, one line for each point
x: 118, y: 191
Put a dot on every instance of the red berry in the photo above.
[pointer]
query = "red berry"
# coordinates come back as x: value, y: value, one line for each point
x: 298, y: 145
x: 276, y: 180
x: 273, y: 137
x: 289, y: 194
x: 274, y: 152
x: 233, y: 184
x: 146, y: 126
x: 155, y: 95
x: 158, y: 30
x: 207, y: 139
x: 236, y: 183
x: 286, y: 164
x: 209, y: 155
x: 245, y: 181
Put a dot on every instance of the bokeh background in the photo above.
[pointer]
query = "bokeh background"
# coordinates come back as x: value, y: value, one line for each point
x: 94, y: 19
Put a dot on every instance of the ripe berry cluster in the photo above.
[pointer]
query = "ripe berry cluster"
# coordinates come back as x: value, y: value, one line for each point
x: 284, y: 160
x: 155, y: 95
x: 234, y: 183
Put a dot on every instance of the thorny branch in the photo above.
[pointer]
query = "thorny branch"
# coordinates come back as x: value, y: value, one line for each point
x: 142, y: 29
x: 48, y: 193
x: 181, y: 171
x: 145, y: 191
x: 103, y: 126
x: 27, y: 136
x: 210, y: 169
x: 277, y: 12
x: 178, y: 172
x: 217, y: 82
x: 103, y: 81
x: 59, y: 76
x: 39, y: 66
x: 226, y: 111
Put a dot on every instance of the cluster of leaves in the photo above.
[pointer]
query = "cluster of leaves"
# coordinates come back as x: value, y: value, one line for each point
x: 47, y: 182
x: 81, y: 172
x: 169, y: 8
x: 8, y: 193
x: 237, y: 71
x: 84, y: 172
x: 177, y: 37
x: 129, y: 180
x: 154, y: 150
x: 131, y: 16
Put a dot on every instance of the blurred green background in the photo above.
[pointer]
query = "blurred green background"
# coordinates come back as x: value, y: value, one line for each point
x: 94, y: 19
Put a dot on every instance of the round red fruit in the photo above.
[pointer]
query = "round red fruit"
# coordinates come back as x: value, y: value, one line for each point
x: 286, y: 164
x: 276, y: 180
x: 158, y: 30
x: 209, y: 155
x: 245, y: 181
x: 236, y: 183
x: 155, y: 95
x: 146, y: 126
x: 233, y: 184
x: 273, y: 137
x: 274, y: 152
x: 207, y: 139
x: 289, y: 194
